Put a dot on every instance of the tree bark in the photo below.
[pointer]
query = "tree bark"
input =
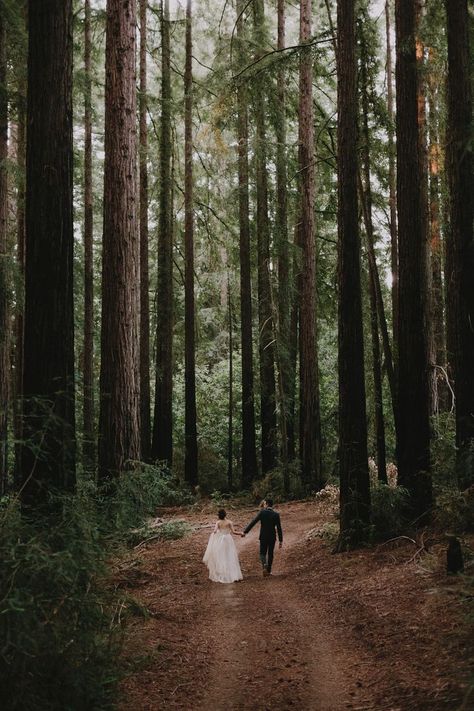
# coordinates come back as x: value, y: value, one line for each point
x: 265, y: 315
x: 162, y: 443
x: 281, y: 232
x: 249, y: 452
x: 436, y: 243
x: 144, y: 269
x: 461, y: 194
x: 48, y: 453
x: 230, y: 435
x: 4, y: 305
x: 392, y: 182
x: 354, y: 475
x: 414, y: 429
x: 191, y: 448
x: 310, y: 421
x: 88, y: 454
x: 119, y: 422
x: 366, y: 198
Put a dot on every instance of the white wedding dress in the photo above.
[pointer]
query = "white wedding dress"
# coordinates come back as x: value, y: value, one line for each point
x: 221, y: 555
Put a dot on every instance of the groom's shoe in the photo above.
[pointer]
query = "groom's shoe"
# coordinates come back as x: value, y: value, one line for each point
x: 265, y: 572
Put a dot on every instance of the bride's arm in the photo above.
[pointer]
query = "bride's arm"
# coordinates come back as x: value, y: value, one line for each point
x: 232, y: 529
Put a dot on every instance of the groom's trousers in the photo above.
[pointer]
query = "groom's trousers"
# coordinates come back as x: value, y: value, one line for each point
x: 267, y: 546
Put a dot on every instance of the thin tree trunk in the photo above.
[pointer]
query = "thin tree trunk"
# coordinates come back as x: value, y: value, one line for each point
x: 20, y: 290
x: 436, y: 245
x: 281, y: 231
x: 414, y: 424
x: 249, y: 452
x: 191, y: 449
x: 48, y: 454
x: 392, y: 182
x: 265, y: 315
x: 88, y: 367
x: 354, y: 475
x: 230, y: 436
x: 461, y: 192
x: 310, y: 421
x: 119, y: 422
x: 4, y: 306
x: 144, y: 270
x: 162, y: 443
x: 366, y: 198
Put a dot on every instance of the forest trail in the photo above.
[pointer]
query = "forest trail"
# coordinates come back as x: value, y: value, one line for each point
x: 323, y: 633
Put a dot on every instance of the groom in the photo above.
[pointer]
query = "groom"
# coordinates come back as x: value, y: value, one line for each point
x: 269, y: 521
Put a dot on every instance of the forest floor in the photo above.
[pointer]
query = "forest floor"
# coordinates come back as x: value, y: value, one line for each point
x: 380, y: 629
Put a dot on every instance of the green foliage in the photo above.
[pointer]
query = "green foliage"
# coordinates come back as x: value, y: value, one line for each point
x: 58, y: 611
x: 272, y: 484
x: 138, y: 493
x: 173, y: 530
x: 390, y: 508
x: 455, y: 510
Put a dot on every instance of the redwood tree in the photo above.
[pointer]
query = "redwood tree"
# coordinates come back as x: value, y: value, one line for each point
x: 249, y: 453
x: 48, y: 454
x: 461, y: 193
x: 162, y: 441
x: 4, y: 317
x: 353, y: 467
x: 190, y: 435
x: 310, y: 423
x: 145, y: 422
x: 413, y: 398
x: 265, y: 313
x: 88, y: 369
x: 119, y: 431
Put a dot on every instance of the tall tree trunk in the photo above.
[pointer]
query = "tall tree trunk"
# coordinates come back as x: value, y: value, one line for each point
x: 423, y: 174
x: 119, y: 422
x: 366, y: 198
x: 461, y: 191
x: 249, y: 452
x: 265, y: 315
x: 48, y: 454
x: 392, y: 182
x: 230, y: 435
x: 20, y: 291
x: 144, y: 275
x: 191, y: 449
x: 88, y: 368
x: 310, y: 421
x: 354, y: 475
x: 436, y: 245
x: 4, y: 306
x: 414, y: 429
x: 162, y: 443
x: 281, y: 230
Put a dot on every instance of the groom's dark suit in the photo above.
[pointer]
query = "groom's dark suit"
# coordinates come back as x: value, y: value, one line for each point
x: 269, y: 525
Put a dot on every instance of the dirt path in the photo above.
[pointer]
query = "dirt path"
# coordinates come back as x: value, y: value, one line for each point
x: 303, y: 638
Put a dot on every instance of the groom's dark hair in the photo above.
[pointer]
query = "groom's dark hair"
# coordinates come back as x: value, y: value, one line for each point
x: 222, y: 514
x: 269, y: 502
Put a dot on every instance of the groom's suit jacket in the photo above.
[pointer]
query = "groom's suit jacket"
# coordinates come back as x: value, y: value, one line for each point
x: 269, y: 521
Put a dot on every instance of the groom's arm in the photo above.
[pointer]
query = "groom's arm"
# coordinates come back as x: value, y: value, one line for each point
x: 280, y: 532
x: 252, y: 523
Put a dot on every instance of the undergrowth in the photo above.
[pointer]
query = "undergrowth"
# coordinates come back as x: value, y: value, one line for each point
x: 60, y: 624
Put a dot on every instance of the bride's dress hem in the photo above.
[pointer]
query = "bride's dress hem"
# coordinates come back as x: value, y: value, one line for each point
x: 222, y: 559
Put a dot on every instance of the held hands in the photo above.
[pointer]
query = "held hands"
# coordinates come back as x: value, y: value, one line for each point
x: 243, y: 535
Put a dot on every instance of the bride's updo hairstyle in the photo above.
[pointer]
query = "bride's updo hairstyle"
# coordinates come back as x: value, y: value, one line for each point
x: 222, y: 514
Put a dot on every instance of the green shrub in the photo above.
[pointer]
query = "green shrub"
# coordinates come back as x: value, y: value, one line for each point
x: 455, y: 510
x: 58, y: 624
x: 56, y: 613
x: 390, y: 509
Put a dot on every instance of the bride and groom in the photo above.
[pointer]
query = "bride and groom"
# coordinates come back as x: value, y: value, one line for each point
x: 221, y: 555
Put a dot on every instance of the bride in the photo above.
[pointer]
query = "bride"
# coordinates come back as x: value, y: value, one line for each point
x: 221, y: 555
